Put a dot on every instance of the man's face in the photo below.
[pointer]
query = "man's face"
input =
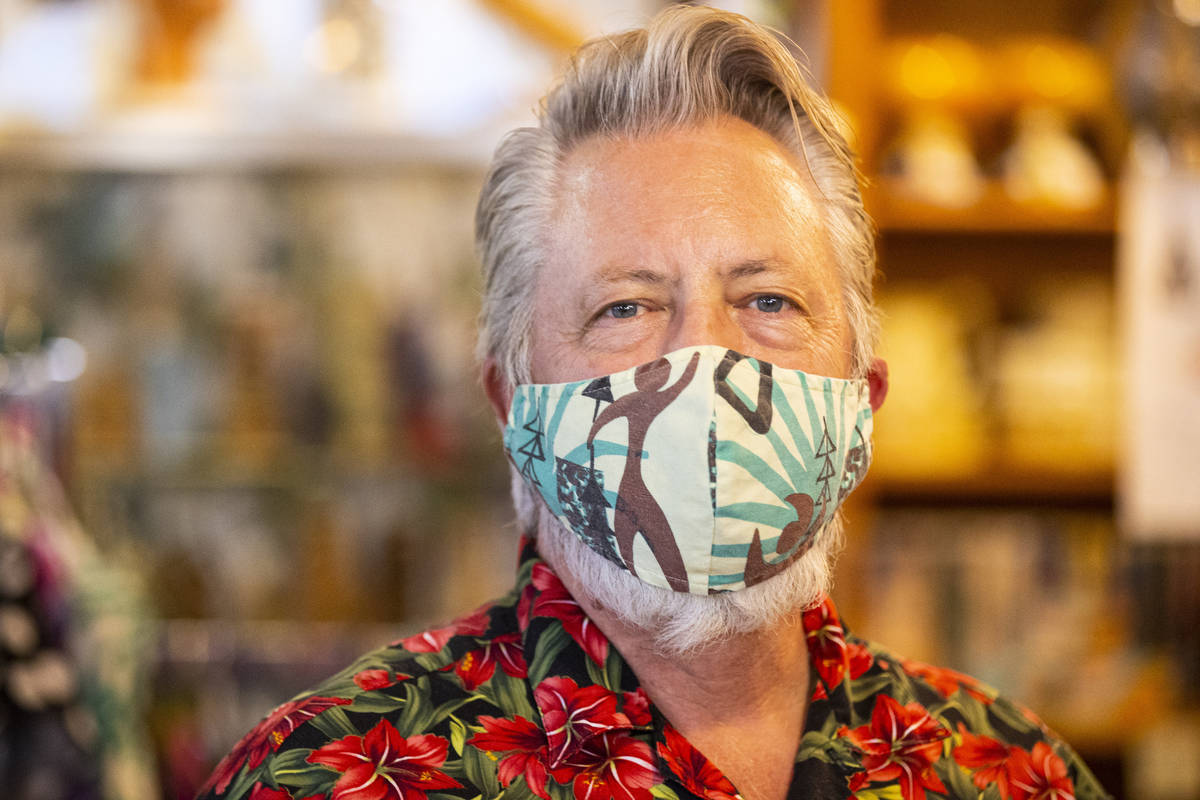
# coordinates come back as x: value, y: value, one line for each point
x: 712, y: 234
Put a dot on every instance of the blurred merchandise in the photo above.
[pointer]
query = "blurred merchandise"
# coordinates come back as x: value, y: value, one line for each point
x: 935, y: 84
x: 934, y: 424
x: 1013, y: 596
x: 942, y: 70
x: 1053, y: 83
x: 979, y: 387
x: 1057, y: 381
x: 76, y: 645
x: 963, y: 112
x: 1160, y: 278
x: 1053, y: 71
x: 169, y: 33
x: 1158, y: 67
x: 1166, y: 759
x: 277, y: 424
x: 931, y: 161
x: 86, y: 42
x: 147, y: 83
x: 1159, y: 270
x: 1047, y: 165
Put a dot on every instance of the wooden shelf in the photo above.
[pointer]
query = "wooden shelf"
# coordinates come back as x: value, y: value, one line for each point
x: 994, y: 213
x: 152, y: 151
x: 1002, y: 486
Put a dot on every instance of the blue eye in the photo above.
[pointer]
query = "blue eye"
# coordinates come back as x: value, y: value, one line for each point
x: 623, y: 310
x: 770, y: 303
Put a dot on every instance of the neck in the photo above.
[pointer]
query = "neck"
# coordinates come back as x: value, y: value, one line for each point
x: 726, y: 698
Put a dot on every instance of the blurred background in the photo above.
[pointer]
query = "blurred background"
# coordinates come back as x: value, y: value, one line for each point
x: 241, y: 435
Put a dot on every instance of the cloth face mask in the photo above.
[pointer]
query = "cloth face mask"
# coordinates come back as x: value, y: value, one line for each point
x: 703, y: 471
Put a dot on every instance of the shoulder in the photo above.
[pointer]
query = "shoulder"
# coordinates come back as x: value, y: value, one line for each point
x: 403, y: 711
x: 981, y: 737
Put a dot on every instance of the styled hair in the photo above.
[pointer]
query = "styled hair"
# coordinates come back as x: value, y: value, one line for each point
x: 688, y: 66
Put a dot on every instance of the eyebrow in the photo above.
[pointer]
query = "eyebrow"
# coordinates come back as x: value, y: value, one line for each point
x: 755, y: 266
x: 743, y: 269
x: 613, y: 275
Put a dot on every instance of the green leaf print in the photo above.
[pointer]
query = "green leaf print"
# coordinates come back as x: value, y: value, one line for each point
x: 479, y: 769
x: 378, y: 702
x: 291, y: 769
x: 418, y: 710
x: 334, y: 723
x: 458, y: 735
x: 664, y: 792
x: 509, y: 694
x: 549, y: 645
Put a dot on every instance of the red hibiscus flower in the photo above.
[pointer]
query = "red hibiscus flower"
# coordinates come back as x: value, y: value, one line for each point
x: 431, y: 641
x: 260, y: 792
x: 986, y: 758
x: 826, y: 643
x: 526, y: 745
x: 946, y: 681
x: 555, y: 601
x: 478, y: 666
x: 698, y: 775
x: 371, y: 679
x: 612, y: 766
x: 383, y: 765
x: 637, y: 706
x: 525, y: 607
x: 860, y: 659
x: 267, y: 736
x: 427, y: 641
x: 572, y: 715
x: 900, y: 743
x: 1040, y: 775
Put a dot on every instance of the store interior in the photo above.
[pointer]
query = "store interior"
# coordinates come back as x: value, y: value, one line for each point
x: 242, y: 436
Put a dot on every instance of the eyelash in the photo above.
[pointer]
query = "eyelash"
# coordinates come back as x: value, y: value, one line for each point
x: 783, y: 301
x: 610, y: 310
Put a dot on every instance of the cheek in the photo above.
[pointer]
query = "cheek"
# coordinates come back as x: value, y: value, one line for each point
x: 546, y: 339
x: 608, y: 336
x: 557, y: 355
x: 836, y: 349
x: 820, y: 346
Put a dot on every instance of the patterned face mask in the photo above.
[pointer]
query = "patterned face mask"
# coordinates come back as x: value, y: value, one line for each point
x: 704, y: 471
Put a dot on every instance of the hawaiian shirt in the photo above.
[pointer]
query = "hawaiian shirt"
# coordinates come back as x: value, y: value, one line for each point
x: 525, y: 697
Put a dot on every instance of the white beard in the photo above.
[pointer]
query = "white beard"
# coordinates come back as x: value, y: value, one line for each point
x: 679, y: 623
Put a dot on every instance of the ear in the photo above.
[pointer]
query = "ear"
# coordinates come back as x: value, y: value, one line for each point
x: 877, y: 380
x: 498, y: 390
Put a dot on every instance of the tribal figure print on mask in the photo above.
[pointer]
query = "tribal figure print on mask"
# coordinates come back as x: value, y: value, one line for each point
x: 703, y: 471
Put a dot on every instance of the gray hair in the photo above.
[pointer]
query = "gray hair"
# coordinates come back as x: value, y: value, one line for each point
x: 679, y: 623
x: 689, y: 65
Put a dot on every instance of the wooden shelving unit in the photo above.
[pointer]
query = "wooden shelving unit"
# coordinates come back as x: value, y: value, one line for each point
x: 1003, y: 243
x: 993, y: 213
x: 998, y: 487
x: 1005, y: 247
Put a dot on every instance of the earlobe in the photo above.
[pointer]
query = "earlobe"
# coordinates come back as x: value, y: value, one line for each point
x: 877, y: 380
x: 498, y: 390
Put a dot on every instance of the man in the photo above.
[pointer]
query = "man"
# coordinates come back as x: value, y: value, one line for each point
x: 677, y: 338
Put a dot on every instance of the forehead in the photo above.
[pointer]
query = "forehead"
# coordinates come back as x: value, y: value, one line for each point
x: 716, y: 190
